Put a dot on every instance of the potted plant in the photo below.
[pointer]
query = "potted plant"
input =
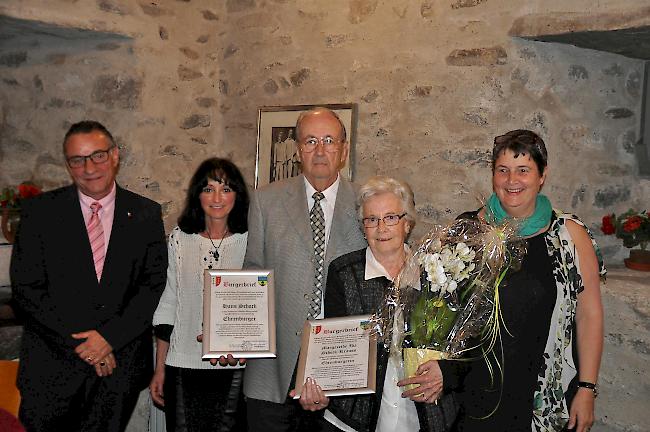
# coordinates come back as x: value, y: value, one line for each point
x: 10, y: 200
x: 633, y: 227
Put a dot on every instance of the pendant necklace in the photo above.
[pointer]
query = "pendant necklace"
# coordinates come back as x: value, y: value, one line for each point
x: 215, y: 253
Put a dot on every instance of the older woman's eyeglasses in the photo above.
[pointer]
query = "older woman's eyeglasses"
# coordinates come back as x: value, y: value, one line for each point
x: 330, y: 144
x: 98, y: 157
x: 389, y: 220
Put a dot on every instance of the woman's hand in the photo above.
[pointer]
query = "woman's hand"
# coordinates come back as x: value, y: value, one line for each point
x: 106, y: 365
x: 156, y: 386
x: 312, y: 397
x: 429, y: 376
x: 224, y: 361
x: 581, y: 415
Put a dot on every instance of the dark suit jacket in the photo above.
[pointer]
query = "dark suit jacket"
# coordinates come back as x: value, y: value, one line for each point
x: 348, y: 293
x: 56, y: 289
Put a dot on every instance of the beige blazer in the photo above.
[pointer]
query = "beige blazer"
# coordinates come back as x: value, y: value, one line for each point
x: 280, y: 238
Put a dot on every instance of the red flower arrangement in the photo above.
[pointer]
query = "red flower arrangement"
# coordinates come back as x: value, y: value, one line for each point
x: 10, y: 197
x: 632, y: 227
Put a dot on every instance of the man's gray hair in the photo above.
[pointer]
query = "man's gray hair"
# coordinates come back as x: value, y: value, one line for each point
x: 383, y: 184
x: 316, y: 110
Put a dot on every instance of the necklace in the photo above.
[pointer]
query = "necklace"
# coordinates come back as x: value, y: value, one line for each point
x: 215, y: 253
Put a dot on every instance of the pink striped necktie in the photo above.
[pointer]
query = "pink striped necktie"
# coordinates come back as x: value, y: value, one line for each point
x: 96, y: 237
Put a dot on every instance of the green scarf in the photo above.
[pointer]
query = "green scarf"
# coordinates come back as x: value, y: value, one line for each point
x: 530, y: 225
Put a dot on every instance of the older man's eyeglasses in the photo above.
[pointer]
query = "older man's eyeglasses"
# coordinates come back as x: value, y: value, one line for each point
x: 389, y: 220
x: 330, y: 144
x: 98, y: 157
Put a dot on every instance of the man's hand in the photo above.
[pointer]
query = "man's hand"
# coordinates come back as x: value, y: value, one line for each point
x: 429, y: 376
x: 106, y: 365
x: 312, y: 397
x: 224, y: 360
x: 94, y: 348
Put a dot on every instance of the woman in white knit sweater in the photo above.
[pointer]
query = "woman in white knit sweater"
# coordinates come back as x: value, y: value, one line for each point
x: 211, y: 234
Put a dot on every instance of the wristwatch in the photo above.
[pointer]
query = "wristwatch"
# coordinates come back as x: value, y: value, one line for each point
x: 591, y: 386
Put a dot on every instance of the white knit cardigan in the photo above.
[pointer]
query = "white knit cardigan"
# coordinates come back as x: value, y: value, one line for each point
x: 181, y: 304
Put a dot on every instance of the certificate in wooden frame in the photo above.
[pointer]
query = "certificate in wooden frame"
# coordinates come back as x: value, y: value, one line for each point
x: 276, y: 145
x: 239, y: 314
x: 340, y: 354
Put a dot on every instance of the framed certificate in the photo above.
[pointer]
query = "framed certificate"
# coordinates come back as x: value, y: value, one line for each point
x: 238, y: 314
x: 340, y: 354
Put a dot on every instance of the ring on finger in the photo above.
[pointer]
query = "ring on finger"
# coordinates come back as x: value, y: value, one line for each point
x: 89, y: 359
x: 316, y: 402
x: 102, y: 363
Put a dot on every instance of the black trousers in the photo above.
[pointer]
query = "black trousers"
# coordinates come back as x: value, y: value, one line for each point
x: 89, y: 404
x: 265, y: 416
x: 203, y: 400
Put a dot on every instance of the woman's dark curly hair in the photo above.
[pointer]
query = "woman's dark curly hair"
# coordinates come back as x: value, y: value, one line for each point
x: 521, y: 142
x: 192, y: 219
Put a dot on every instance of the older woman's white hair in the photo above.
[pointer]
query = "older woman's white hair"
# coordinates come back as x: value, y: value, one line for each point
x: 383, y: 184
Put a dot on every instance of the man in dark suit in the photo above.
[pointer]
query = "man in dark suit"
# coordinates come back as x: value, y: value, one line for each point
x: 281, y: 237
x: 88, y: 268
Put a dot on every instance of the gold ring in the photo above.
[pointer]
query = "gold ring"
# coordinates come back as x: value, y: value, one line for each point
x: 316, y: 402
x: 89, y: 359
x: 102, y: 363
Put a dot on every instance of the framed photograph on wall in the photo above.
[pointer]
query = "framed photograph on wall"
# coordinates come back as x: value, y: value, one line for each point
x: 277, y: 156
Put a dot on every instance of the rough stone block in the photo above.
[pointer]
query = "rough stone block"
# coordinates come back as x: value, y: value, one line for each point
x: 271, y: 87
x: 420, y: 91
x: 466, y: 3
x: 38, y: 83
x: 370, y: 96
x: 229, y: 51
x: 361, y: 9
x: 610, y: 195
x: 13, y: 59
x: 111, y: 7
x: 475, y: 118
x: 189, y: 53
x: 299, y: 77
x: 223, y: 87
x: 239, y: 5
x: 619, y: 113
x: 117, y: 91
x: 633, y: 84
x: 195, y: 120
x: 427, y: 9
x: 152, y: 9
x: 578, y: 72
x: 335, y: 40
x: 205, y: 102
x: 210, y: 16
x: 478, y: 57
x: 187, y: 74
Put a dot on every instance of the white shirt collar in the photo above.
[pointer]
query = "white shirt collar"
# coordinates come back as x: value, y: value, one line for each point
x: 374, y: 269
x: 330, y: 192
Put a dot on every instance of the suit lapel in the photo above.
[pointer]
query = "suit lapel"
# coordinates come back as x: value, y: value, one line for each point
x: 73, y: 232
x: 119, y: 235
x: 343, y: 218
x: 296, y: 207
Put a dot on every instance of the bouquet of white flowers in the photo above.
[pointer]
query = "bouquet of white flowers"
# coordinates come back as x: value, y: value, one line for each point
x: 445, y: 300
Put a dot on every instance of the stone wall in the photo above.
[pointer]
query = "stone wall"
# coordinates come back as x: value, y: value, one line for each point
x: 148, y: 71
x: 434, y: 83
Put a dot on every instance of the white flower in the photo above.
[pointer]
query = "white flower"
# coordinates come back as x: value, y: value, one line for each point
x: 448, y: 267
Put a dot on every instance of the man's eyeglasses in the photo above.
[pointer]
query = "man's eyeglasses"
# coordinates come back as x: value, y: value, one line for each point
x: 329, y: 143
x: 98, y: 157
x: 389, y: 220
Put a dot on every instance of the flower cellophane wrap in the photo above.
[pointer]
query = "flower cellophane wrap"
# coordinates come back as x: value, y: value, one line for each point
x: 445, y: 300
